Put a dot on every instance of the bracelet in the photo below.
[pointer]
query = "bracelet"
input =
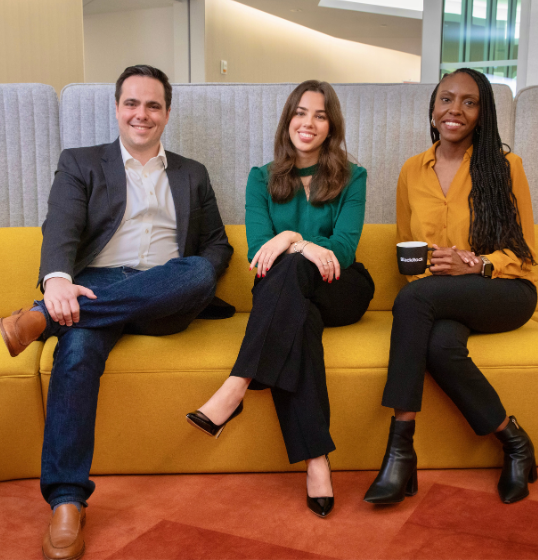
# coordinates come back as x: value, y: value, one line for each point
x: 302, y: 248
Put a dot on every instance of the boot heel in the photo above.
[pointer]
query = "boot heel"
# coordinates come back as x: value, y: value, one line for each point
x: 412, y: 485
x: 533, y: 475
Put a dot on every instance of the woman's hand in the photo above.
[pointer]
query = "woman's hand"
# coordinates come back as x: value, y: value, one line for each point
x: 468, y: 257
x: 269, y: 251
x: 324, y: 259
x: 451, y: 261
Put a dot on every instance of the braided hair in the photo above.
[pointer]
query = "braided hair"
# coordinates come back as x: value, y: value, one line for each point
x: 495, y: 220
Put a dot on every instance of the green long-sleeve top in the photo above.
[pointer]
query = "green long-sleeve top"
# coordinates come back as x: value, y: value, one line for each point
x: 336, y: 225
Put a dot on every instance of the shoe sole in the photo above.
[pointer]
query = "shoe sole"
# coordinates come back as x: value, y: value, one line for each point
x: 77, y: 557
x: 204, y: 431
x: 392, y: 503
x: 383, y: 503
x: 6, y: 340
x: 321, y: 516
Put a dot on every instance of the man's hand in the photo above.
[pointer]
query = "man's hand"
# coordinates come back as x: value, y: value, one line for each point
x: 449, y: 261
x: 324, y: 259
x: 61, y: 300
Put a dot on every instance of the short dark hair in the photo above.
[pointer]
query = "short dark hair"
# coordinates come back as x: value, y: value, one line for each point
x: 149, y: 72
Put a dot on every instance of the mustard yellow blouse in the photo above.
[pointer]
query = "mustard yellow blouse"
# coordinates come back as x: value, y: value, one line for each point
x: 423, y: 213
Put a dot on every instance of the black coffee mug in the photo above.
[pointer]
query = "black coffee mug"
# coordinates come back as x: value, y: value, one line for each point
x: 412, y: 257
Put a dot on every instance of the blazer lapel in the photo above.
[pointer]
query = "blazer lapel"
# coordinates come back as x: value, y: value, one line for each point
x: 180, y: 186
x: 116, y: 180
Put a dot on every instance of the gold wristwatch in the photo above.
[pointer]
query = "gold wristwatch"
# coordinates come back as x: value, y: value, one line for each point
x: 487, y: 267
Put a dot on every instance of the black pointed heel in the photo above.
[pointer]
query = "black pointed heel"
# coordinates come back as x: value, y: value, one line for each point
x: 519, y: 466
x: 202, y: 422
x: 397, y: 477
x: 321, y: 506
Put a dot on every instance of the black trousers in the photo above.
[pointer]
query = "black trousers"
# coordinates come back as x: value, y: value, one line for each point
x: 433, y: 318
x: 283, y: 350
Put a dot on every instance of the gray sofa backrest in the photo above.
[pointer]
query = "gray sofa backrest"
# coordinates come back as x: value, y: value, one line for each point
x: 230, y: 128
x: 29, y: 151
x: 525, y: 142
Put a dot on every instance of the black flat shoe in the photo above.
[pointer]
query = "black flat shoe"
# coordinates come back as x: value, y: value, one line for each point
x: 202, y: 422
x: 519, y: 463
x: 397, y: 477
x: 321, y: 506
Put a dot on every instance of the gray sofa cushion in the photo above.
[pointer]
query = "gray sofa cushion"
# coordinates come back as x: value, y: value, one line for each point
x: 230, y: 128
x: 29, y: 151
x: 525, y: 144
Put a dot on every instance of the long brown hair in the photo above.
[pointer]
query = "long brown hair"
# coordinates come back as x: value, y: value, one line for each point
x: 333, y: 172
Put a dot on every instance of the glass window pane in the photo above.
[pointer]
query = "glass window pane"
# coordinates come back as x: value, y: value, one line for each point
x: 478, y: 31
x: 500, y: 37
x: 452, y: 43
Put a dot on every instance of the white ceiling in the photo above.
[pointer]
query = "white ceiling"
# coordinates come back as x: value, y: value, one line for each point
x: 101, y: 6
x: 391, y: 32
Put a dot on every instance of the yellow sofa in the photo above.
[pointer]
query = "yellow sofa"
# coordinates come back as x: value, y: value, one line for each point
x: 151, y: 383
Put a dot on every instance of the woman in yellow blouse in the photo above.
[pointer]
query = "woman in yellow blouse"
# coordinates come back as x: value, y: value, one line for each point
x: 470, y: 200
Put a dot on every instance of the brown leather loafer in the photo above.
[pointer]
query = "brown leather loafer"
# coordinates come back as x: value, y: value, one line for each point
x: 64, y: 539
x: 21, y: 329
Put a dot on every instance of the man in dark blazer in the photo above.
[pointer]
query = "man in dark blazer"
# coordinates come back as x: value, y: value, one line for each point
x: 133, y: 243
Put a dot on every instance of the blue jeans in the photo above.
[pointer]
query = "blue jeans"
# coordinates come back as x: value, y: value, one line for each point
x: 159, y: 301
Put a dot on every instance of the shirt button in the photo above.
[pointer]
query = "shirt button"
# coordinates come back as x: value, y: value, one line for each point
x: 147, y: 231
x: 151, y: 193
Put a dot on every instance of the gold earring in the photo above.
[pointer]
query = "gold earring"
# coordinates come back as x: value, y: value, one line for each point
x: 433, y: 122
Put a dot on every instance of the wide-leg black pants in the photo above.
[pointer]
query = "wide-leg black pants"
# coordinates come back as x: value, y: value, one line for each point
x: 282, y: 348
x: 433, y: 318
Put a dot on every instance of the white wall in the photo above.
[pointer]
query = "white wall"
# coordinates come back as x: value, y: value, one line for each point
x: 113, y: 41
x: 260, y: 47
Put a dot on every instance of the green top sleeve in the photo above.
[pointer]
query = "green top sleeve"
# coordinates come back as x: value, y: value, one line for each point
x: 260, y: 228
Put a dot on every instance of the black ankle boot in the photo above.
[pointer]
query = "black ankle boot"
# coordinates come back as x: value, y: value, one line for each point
x: 398, y: 475
x: 519, y: 463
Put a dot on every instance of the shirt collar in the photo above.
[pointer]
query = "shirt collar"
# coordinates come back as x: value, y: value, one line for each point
x: 126, y: 156
x: 429, y: 154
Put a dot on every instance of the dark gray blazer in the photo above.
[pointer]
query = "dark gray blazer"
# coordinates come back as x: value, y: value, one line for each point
x: 87, y: 203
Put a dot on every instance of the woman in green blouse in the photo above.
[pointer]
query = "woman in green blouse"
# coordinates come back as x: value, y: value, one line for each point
x: 304, y: 217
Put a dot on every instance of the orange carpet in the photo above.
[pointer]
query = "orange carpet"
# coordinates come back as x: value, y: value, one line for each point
x: 456, y: 515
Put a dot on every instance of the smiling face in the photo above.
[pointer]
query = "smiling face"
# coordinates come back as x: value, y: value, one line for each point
x: 309, y: 127
x: 457, y: 109
x: 142, y: 116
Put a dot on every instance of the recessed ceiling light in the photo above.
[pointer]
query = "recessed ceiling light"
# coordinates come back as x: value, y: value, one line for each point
x: 296, y: 11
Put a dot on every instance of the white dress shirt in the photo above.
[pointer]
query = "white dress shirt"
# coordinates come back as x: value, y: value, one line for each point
x: 146, y: 236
